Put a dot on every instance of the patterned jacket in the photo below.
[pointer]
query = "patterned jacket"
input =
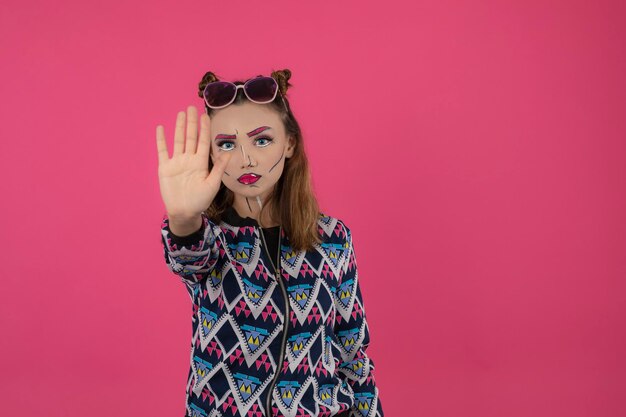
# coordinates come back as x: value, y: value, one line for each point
x: 240, y: 351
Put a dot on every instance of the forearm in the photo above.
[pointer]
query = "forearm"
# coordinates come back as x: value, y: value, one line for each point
x: 192, y: 256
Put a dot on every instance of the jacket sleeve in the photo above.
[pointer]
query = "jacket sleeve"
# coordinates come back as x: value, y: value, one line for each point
x: 352, y: 330
x: 191, y: 257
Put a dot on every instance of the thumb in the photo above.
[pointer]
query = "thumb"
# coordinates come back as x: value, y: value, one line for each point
x: 221, y: 163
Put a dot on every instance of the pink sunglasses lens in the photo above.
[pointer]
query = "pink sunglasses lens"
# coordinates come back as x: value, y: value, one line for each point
x: 219, y: 93
x: 261, y: 89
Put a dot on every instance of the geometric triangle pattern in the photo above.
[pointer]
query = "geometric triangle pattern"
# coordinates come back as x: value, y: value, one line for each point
x: 242, y: 362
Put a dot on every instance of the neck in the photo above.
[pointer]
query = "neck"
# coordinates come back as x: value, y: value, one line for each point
x: 249, y: 207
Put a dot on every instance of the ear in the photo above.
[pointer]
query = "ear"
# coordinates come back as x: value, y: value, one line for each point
x: 291, y: 144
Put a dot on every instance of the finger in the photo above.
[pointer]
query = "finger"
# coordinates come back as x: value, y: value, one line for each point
x: 179, y: 134
x: 204, y: 143
x: 162, y: 153
x: 192, y: 130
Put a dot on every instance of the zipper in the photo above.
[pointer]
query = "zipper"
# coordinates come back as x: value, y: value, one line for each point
x: 286, y: 322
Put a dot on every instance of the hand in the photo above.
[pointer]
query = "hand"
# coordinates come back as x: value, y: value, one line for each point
x: 187, y: 187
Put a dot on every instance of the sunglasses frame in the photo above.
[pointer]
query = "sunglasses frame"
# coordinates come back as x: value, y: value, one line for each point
x: 243, y: 86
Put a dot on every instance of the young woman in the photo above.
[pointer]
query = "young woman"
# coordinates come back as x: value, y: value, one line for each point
x: 278, y: 320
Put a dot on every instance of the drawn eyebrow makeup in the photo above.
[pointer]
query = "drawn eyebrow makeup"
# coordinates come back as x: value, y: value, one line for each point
x: 225, y: 136
x: 250, y: 134
x: 258, y: 130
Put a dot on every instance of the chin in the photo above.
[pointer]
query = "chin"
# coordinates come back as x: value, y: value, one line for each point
x: 247, y: 190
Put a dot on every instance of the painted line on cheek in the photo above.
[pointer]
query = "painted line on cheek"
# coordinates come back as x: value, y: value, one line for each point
x: 279, y: 159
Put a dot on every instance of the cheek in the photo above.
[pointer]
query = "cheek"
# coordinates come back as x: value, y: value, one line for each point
x: 278, y: 171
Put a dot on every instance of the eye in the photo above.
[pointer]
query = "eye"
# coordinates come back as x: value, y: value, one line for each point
x: 221, y: 145
x: 267, y: 140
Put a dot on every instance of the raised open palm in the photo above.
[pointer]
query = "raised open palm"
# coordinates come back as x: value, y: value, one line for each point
x: 187, y: 186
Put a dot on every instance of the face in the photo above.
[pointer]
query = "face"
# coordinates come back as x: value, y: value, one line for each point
x: 256, y: 137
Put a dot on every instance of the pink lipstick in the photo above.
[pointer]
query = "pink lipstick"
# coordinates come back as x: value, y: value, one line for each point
x: 248, y: 178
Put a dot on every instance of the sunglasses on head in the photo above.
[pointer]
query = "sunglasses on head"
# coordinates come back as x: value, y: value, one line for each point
x: 261, y: 90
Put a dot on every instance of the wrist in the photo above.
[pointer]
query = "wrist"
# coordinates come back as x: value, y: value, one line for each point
x: 184, y: 225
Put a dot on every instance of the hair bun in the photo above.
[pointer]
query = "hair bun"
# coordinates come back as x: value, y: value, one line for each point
x: 209, y: 77
x: 282, y: 79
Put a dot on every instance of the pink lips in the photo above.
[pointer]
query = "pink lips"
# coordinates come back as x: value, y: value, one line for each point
x: 248, y: 178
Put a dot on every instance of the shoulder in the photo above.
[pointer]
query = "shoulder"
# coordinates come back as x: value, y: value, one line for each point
x: 334, y: 228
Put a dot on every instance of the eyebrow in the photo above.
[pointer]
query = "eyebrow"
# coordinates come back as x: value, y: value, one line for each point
x: 225, y: 136
x: 258, y: 130
x: 250, y: 134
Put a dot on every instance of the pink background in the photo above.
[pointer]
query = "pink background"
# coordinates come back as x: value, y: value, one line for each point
x: 482, y: 174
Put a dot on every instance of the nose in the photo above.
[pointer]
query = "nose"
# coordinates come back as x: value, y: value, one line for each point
x: 246, y: 158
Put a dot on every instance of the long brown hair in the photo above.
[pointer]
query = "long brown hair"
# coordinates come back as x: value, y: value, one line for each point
x: 293, y: 203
